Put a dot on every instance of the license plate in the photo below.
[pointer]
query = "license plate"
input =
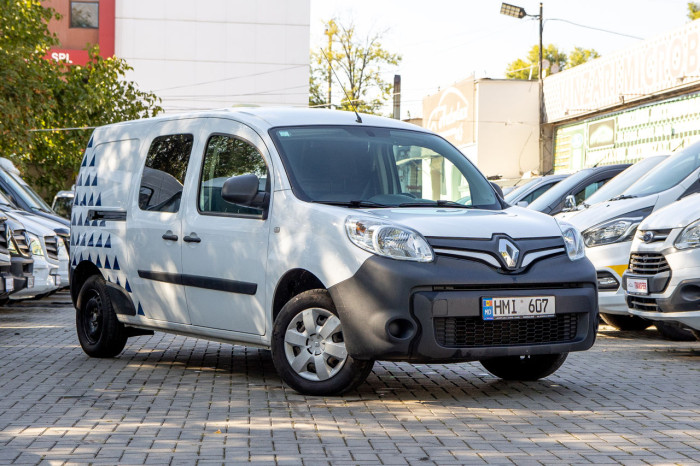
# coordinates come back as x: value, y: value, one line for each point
x: 30, y: 282
x: 637, y: 286
x: 517, y: 307
x: 9, y: 284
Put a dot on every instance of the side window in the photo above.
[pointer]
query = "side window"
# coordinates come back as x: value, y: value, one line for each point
x: 537, y: 193
x: 164, y: 173
x: 225, y: 157
x: 588, y: 190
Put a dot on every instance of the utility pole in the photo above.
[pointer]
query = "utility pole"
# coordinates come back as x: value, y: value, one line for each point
x: 541, y: 101
x: 331, y: 29
x: 397, y: 97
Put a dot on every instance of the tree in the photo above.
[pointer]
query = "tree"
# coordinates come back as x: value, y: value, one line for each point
x: 693, y: 10
x: 39, y: 94
x: 528, y: 68
x: 358, y: 63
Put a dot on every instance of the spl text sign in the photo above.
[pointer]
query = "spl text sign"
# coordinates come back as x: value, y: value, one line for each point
x: 450, y: 113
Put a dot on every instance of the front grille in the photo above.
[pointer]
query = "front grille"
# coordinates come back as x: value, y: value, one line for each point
x: 642, y: 303
x: 648, y: 263
x: 655, y: 235
x: 51, y: 243
x: 3, y: 237
x: 21, y: 241
x: 469, y: 332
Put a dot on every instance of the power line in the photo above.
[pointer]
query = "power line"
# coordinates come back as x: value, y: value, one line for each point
x: 231, y: 78
x: 594, y: 28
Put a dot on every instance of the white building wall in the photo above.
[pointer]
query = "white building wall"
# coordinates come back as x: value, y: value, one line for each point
x: 507, y: 122
x: 216, y: 53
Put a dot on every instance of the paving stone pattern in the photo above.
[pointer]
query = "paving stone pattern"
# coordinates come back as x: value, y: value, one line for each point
x: 633, y: 399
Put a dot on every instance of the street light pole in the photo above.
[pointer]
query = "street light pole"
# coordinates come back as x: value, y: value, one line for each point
x: 541, y: 102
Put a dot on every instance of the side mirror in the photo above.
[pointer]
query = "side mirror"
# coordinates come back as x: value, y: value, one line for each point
x: 243, y: 190
x: 497, y: 188
x: 569, y: 203
x: 523, y: 204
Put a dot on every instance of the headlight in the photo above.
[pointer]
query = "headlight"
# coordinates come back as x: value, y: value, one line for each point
x: 62, y: 253
x: 388, y: 240
x: 35, y: 245
x: 572, y: 240
x: 11, y: 242
x: 616, y: 230
x: 689, y: 237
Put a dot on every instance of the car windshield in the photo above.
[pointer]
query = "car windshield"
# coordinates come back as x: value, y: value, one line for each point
x: 26, y: 193
x: 360, y: 166
x: 668, y: 173
x: 5, y: 202
x: 624, y: 180
x: 558, y: 190
x: 514, y: 194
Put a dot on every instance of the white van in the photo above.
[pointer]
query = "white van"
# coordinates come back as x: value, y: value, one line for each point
x: 332, y: 239
x: 609, y: 227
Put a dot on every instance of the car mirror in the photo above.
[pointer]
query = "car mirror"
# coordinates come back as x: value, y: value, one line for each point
x: 523, y: 204
x: 498, y: 189
x: 243, y: 190
x: 569, y: 203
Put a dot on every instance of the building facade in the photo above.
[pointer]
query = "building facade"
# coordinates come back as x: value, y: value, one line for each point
x: 196, y: 54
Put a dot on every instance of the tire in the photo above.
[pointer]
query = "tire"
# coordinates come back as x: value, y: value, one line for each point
x: 626, y: 322
x: 524, y: 367
x: 100, y: 334
x: 696, y: 334
x: 674, y: 333
x: 306, y: 360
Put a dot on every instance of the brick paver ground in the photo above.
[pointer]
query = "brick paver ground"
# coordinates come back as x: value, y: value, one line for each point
x: 633, y: 399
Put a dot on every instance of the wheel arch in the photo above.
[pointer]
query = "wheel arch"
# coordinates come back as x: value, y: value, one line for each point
x: 79, y: 276
x: 292, y: 283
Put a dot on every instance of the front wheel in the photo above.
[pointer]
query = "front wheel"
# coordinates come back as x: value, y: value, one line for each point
x: 524, y: 367
x: 673, y: 333
x: 308, y: 347
x: 100, y: 334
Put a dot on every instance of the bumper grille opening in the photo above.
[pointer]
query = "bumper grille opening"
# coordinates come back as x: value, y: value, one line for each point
x: 467, y: 332
x: 642, y: 304
x: 51, y: 243
x: 648, y: 263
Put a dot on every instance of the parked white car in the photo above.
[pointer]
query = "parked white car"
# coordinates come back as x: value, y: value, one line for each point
x: 663, y: 279
x: 609, y: 227
x: 331, y: 238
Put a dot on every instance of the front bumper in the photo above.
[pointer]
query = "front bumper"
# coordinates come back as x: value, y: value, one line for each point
x: 44, y: 280
x: 611, y: 259
x: 408, y: 311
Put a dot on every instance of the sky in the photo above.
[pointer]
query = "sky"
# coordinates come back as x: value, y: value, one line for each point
x: 445, y: 41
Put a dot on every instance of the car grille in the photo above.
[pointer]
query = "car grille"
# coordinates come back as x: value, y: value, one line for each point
x: 51, y: 243
x: 648, y: 263
x: 642, y: 303
x: 21, y: 241
x: 3, y: 238
x: 466, y: 332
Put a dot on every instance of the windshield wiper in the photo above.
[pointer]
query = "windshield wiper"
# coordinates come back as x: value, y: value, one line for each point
x: 353, y: 203
x: 439, y: 203
x: 623, y: 196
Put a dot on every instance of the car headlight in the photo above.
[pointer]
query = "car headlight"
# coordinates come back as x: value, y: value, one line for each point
x: 616, y: 230
x: 572, y: 240
x: 689, y: 237
x: 388, y: 239
x: 11, y: 242
x: 35, y: 245
x: 62, y: 253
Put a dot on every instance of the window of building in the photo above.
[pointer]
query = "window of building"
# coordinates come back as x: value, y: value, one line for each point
x: 84, y: 15
x: 164, y: 173
x: 225, y: 157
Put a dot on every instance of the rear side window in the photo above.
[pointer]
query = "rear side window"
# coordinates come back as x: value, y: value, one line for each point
x: 164, y: 173
x: 225, y: 157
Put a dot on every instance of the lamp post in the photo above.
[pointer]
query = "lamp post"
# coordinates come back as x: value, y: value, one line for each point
x: 519, y: 12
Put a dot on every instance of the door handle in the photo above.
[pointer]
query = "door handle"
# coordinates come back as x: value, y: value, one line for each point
x: 169, y: 237
x: 192, y: 239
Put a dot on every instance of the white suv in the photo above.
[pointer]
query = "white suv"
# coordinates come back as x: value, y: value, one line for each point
x: 663, y: 279
x: 331, y: 238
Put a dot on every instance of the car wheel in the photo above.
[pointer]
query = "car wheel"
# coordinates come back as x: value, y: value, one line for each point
x: 696, y: 334
x: 100, y: 334
x: 524, y: 367
x: 308, y: 347
x: 674, y: 333
x: 625, y: 322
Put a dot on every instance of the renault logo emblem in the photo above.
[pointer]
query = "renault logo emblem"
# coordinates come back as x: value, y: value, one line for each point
x: 509, y: 253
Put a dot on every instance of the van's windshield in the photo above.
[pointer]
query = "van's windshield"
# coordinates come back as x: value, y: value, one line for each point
x: 667, y: 174
x: 359, y: 166
x: 23, y: 190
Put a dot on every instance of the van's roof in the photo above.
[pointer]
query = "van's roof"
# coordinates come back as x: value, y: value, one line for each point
x: 264, y: 118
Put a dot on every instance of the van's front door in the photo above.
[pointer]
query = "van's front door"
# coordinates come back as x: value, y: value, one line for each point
x: 224, y: 249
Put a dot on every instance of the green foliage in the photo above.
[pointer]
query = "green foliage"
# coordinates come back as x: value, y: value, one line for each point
x: 693, y: 10
x: 358, y: 63
x: 528, y: 68
x: 40, y: 94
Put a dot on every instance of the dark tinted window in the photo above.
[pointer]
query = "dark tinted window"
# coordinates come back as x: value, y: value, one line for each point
x: 537, y: 193
x: 84, y: 15
x: 164, y: 173
x: 225, y: 157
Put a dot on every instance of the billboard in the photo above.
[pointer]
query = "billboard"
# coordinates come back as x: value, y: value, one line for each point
x: 450, y: 113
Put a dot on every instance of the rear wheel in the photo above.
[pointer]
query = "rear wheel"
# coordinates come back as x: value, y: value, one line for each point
x: 625, y: 322
x: 673, y: 332
x: 100, y: 334
x: 696, y: 334
x: 308, y: 347
x: 524, y: 367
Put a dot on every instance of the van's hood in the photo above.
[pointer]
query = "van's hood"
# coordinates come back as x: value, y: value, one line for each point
x: 603, y: 211
x: 31, y: 225
x: 515, y: 222
x: 675, y: 215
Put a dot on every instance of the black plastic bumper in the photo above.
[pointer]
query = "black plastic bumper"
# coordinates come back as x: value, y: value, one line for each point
x: 390, y: 308
x: 22, y: 268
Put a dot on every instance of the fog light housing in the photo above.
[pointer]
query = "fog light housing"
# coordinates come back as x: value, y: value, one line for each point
x: 607, y: 281
x: 400, y: 329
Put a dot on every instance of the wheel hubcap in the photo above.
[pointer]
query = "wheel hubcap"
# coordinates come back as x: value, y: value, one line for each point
x: 314, y: 345
x: 92, y: 318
